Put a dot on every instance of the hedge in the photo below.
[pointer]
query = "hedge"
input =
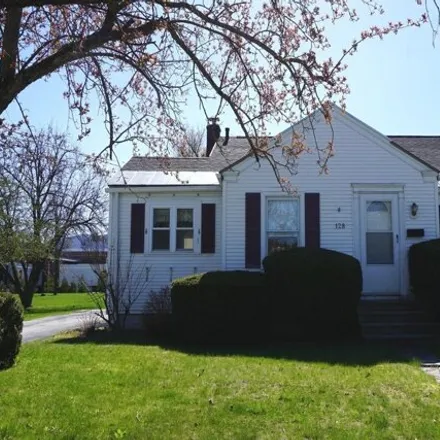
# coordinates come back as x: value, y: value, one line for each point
x: 222, y: 307
x: 315, y: 294
x: 11, y: 326
x: 304, y: 294
x: 424, y: 274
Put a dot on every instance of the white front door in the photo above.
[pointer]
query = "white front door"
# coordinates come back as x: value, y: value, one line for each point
x: 380, y: 243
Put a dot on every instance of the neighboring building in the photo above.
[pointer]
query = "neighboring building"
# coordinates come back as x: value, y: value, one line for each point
x: 227, y: 211
x: 82, y: 256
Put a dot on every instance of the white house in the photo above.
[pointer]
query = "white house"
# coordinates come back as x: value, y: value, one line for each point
x: 226, y: 211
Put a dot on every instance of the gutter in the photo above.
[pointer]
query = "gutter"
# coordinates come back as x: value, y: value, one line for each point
x: 162, y: 188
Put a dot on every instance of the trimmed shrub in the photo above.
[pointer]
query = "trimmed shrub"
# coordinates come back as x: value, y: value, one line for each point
x: 222, y: 307
x: 424, y: 274
x: 314, y: 294
x: 11, y: 326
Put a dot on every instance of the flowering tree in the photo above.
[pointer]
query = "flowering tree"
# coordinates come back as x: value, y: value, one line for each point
x: 140, y: 58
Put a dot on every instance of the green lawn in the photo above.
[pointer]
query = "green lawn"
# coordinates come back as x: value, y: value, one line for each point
x: 73, y: 389
x: 58, y: 304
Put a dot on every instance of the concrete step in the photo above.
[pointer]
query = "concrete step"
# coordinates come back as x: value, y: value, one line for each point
x: 400, y: 330
x: 396, y: 319
x: 387, y: 306
x: 400, y: 337
x: 393, y: 316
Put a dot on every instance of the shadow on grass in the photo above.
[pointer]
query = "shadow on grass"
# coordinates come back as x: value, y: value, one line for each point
x: 354, y: 354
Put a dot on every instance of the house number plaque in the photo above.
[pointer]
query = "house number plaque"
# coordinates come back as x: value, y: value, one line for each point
x: 339, y: 225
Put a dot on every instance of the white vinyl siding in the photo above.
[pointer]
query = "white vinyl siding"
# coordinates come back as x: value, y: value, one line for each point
x: 161, y: 267
x: 359, y: 158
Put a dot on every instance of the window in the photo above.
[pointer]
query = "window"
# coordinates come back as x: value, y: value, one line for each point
x: 282, y: 224
x: 184, y: 229
x: 161, y: 229
x: 380, y: 244
x: 173, y: 229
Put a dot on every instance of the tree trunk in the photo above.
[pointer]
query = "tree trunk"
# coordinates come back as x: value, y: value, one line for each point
x: 26, y: 296
x: 27, y: 291
x: 56, y: 275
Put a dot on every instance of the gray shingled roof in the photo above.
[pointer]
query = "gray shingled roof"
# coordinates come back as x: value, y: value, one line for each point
x: 144, y: 163
x: 425, y: 148
x: 220, y: 158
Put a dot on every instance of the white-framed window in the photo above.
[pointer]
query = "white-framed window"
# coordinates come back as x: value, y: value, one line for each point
x: 282, y: 224
x: 173, y: 228
x: 184, y: 229
x: 161, y: 229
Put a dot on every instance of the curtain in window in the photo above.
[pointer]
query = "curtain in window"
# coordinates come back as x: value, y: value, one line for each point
x: 283, y: 215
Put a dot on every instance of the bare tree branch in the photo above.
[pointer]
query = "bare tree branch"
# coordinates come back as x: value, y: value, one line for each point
x: 49, y: 192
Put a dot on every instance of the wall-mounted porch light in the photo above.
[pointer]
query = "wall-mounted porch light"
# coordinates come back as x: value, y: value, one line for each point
x: 414, y: 209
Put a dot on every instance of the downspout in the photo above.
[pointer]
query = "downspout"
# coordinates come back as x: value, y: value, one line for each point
x: 437, y: 215
x: 223, y: 229
x: 110, y: 231
x: 113, y: 240
x: 116, y: 239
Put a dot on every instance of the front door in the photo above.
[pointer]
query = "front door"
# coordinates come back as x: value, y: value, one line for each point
x: 380, y: 243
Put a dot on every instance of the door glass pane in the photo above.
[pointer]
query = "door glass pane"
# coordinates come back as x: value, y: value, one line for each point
x: 282, y: 215
x: 380, y: 249
x: 379, y: 216
x: 379, y: 233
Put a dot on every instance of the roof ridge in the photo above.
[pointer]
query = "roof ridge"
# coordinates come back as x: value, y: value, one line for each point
x: 169, y: 157
x: 436, y: 136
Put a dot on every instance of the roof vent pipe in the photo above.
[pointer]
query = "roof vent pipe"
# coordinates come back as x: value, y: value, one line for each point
x: 225, y: 142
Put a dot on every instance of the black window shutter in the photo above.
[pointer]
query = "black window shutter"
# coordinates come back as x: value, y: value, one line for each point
x: 137, y: 236
x: 253, y: 231
x: 208, y: 228
x: 312, y: 220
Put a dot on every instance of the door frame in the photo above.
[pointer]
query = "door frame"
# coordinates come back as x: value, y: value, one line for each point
x: 381, y: 189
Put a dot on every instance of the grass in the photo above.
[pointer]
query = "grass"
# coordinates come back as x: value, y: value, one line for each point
x: 82, y: 389
x: 62, y: 303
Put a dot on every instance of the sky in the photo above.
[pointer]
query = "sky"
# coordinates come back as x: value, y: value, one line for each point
x: 394, y: 82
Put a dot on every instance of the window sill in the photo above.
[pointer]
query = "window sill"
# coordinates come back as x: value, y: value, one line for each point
x: 168, y: 251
